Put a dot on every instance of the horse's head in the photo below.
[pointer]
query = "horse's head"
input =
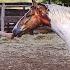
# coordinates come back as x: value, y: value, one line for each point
x: 31, y: 19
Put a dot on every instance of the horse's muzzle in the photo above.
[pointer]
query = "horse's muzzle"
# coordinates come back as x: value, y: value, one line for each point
x: 17, y: 32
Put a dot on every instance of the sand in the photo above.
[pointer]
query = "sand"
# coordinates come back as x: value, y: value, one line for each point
x: 34, y: 52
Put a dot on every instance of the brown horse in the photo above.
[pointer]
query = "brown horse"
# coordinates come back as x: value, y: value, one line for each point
x: 36, y: 16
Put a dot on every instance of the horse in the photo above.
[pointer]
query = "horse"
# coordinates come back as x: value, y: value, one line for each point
x: 31, y: 20
x: 58, y: 19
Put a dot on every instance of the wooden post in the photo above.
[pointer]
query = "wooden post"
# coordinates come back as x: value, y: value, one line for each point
x: 2, y: 16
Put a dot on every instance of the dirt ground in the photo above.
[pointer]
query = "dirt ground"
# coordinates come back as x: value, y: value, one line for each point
x: 34, y: 52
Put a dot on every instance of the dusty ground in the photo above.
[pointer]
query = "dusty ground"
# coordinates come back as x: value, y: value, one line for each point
x: 34, y: 52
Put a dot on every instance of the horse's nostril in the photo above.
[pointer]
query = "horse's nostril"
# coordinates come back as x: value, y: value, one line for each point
x: 13, y: 31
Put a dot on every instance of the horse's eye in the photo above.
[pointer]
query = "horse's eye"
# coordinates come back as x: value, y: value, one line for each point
x: 48, y: 9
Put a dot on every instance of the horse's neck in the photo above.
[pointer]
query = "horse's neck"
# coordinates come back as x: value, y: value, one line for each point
x: 60, y: 22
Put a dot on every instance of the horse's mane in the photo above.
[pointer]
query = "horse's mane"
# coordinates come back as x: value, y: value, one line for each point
x: 58, y: 11
x: 58, y: 7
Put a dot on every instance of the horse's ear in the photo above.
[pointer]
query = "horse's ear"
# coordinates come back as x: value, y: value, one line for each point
x: 34, y: 3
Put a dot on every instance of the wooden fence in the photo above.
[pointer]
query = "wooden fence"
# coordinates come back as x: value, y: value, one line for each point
x: 11, y: 16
